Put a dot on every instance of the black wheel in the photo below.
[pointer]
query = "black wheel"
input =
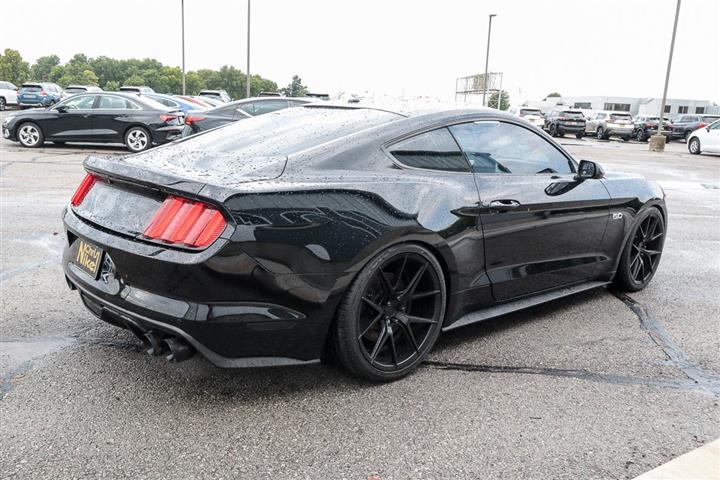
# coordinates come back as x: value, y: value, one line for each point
x: 626, y: 139
x: 579, y: 135
x: 641, y: 255
x: 391, y: 315
x: 694, y: 146
x: 30, y: 135
x: 553, y: 130
x: 52, y: 102
x: 2, y: 103
x: 137, y: 139
x: 640, y: 136
x: 600, y: 133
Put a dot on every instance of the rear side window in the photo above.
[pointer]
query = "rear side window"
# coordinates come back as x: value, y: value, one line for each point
x: 434, y: 150
x: 498, y: 147
x: 269, y: 106
x: 709, y: 119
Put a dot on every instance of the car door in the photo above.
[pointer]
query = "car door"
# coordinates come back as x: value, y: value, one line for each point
x: 71, y: 120
x: 710, y: 142
x: 542, y: 227
x: 113, y: 113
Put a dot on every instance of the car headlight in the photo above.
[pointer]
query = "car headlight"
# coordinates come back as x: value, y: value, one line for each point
x: 7, y: 119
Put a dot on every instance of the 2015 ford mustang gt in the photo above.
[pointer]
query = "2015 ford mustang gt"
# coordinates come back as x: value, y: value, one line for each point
x: 350, y: 231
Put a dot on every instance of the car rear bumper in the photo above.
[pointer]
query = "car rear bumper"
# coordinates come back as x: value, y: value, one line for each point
x: 619, y: 132
x: 226, y: 306
x: 563, y: 127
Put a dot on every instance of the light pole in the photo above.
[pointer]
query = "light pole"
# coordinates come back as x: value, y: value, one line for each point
x: 487, y: 58
x: 182, y: 16
x: 247, y: 81
x: 657, y: 141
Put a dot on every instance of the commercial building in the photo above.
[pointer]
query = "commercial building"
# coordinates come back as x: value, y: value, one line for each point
x: 634, y: 105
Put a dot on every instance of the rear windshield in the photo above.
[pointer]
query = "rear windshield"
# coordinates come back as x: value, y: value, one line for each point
x: 570, y: 114
x: 527, y: 111
x: 620, y: 116
x: 129, y: 89
x: 31, y: 87
x: 710, y: 119
x: 76, y: 90
x: 288, y: 131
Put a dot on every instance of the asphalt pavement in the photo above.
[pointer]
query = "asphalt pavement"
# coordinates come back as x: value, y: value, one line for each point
x: 600, y: 385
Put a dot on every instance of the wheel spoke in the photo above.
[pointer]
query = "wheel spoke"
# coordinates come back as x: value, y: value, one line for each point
x: 372, y: 305
x: 410, y: 289
x: 379, y: 344
x: 373, y: 322
x: 386, y: 283
x: 400, y: 273
x: 653, y: 252
x: 414, y: 319
x: 392, y: 346
x: 411, y: 336
x: 418, y: 296
x: 636, y: 270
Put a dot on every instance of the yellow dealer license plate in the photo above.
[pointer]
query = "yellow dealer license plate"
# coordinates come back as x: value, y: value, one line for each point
x: 88, y: 258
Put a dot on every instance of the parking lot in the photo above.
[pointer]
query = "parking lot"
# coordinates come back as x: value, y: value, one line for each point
x: 599, y: 385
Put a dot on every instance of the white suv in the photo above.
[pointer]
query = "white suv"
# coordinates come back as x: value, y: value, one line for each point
x: 8, y: 94
x: 705, y: 139
x: 532, y: 115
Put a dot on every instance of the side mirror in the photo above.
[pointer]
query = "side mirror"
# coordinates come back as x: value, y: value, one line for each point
x: 588, y: 169
x: 61, y: 109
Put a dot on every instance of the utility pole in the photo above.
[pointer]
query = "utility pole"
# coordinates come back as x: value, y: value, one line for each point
x: 487, y: 58
x: 657, y: 141
x: 247, y: 90
x: 182, y: 16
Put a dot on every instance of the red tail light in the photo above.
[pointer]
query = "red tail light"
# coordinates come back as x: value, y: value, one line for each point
x: 168, y: 118
x: 190, y: 119
x: 185, y: 222
x: 42, y: 94
x: 702, y: 125
x: 82, y: 190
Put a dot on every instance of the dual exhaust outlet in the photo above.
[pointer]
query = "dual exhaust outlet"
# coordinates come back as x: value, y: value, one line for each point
x: 175, y: 349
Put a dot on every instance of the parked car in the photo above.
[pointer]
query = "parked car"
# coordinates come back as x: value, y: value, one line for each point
x: 213, y: 102
x: 196, y: 101
x: 42, y: 94
x: 8, y: 94
x: 221, y: 95
x: 133, y: 89
x: 175, y: 102
x: 104, y: 117
x: 608, y: 124
x: 561, y: 121
x: 318, y: 229
x: 684, y: 125
x: 74, y: 89
x: 705, y: 139
x: 238, y: 110
x: 647, y: 125
x: 532, y: 115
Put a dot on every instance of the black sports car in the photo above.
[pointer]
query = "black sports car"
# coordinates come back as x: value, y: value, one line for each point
x: 97, y: 117
x: 349, y: 231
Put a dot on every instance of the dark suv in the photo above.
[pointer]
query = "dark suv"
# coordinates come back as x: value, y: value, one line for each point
x: 647, y: 125
x: 560, y: 122
x: 684, y: 125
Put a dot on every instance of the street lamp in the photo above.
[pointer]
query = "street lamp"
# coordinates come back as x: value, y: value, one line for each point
x: 487, y: 57
x: 247, y: 81
x: 182, y: 16
x: 657, y: 141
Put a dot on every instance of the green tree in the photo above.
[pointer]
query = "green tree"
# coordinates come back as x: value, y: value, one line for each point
x: 78, y: 71
x: 13, y: 68
x: 296, y: 88
x: 111, y: 86
x: 504, y: 100
x: 135, y: 80
x: 42, y: 67
x: 193, y: 83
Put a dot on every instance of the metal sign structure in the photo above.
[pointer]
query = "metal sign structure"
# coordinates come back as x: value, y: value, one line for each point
x: 476, y: 85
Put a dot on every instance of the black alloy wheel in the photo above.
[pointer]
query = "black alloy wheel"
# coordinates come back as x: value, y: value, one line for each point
x: 553, y: 130
x: 392, y: 314
x: 641, y: 255
x: 640, y: 137
x: 579, y: 135
x: 600, y: 133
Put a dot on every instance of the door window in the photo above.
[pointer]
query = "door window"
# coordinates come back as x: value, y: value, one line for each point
x: 434, y: 150
x: 83, y: 102
x: 108, y: 102
x: 499, y: 147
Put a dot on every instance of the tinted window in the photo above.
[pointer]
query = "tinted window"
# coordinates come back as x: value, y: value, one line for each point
x: 248, y: 108
x: 31, y: 87
x: 165, y: 101
x: 227, y: 111
x: 497, y: 147
x: 83, y: 102
x: 114, y: 103
x: 436, y: 150
x: 569, y: 114
x: 75, y: 90
x: 269, y: 106
x: 709, y: 119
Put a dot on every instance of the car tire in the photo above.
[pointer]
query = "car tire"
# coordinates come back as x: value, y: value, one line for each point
x: 600, y: 133
x: 2, y: 104
x: 625, y: 139
x: 579, y: 135
x: 694, y: 146
x: 30, y: 135
x: 391, y: 315
x: 552, y: 130
x: 641, y: 255
x: 137, y: 139
x: 640, y: 136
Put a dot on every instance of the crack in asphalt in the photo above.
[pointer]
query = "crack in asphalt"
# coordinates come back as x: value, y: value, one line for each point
x: 706, y: 380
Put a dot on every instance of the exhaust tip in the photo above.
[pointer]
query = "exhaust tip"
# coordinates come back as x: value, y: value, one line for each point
x: 179, y: 350
x: 154, y: 343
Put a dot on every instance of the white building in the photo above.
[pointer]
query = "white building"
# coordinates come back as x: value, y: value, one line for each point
x: 634, y: 105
